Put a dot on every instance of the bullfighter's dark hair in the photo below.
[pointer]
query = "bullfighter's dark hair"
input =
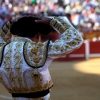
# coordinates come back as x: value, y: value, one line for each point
x: 27, y: 27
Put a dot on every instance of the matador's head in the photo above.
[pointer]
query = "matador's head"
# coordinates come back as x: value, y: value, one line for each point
x: 26, y: 27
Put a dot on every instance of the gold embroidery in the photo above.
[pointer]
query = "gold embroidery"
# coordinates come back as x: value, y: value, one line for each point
x: 52, y: 22
x: 78, y: 40
x: 7, y: 57
x: 18, y: 45
x: 61, y: 30
x: 19, y: 79
x: 5, y: 28
x: 14, y: 88
x: 36, y: 81
x: 17, y: 68
x: 57, y: 25
x: 34, y: 50
x: 38, y: 59
x: 14, y: 75
x: 7, y: 65
x: 17, y: 56
x: 38, y: 84
x: 35, y: 71
x: 14, y: 78
x: 66, y: 46
x: 2, y: 34
x: 56, y: 47
x: 73, y: 43
x: 7, y: 68
x: 62, y: 26
x: 63, y: 22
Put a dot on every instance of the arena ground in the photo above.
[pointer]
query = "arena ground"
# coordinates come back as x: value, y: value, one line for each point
x: 73, y: 80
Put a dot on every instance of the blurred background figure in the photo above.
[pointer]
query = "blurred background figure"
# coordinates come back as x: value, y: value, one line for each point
x: 83, y: 14
x: 77, y: 9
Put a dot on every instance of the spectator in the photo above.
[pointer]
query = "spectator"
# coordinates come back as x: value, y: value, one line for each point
x: 78, y: 10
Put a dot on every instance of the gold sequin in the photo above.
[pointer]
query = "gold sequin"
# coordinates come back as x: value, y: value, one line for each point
x: 7, y: 68
x: 35, y: 71
x: 36, y: 59
x: 34, y: 50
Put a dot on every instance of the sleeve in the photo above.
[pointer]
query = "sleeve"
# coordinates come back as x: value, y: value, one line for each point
x: 70, y: 39
x: 5, y: 34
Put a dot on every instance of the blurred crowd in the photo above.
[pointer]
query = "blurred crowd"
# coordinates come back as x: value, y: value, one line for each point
x: 83, y: 14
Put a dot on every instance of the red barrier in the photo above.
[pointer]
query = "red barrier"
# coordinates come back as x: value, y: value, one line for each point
x: 78, y: 54
x: 94, y: 49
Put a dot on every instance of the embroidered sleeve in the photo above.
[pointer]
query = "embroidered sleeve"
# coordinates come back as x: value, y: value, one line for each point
x: 5, y: 32
x: 70, y: 39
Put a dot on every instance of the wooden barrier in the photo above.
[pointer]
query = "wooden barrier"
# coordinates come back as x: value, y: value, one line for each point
x: 91, y: 35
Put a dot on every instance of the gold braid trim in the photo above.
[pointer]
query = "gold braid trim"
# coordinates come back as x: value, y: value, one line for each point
x: 2, y: 34
x: 59, y: 24
x: 6, y: 27
x: 7, y: 37
x: 5, y: 32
